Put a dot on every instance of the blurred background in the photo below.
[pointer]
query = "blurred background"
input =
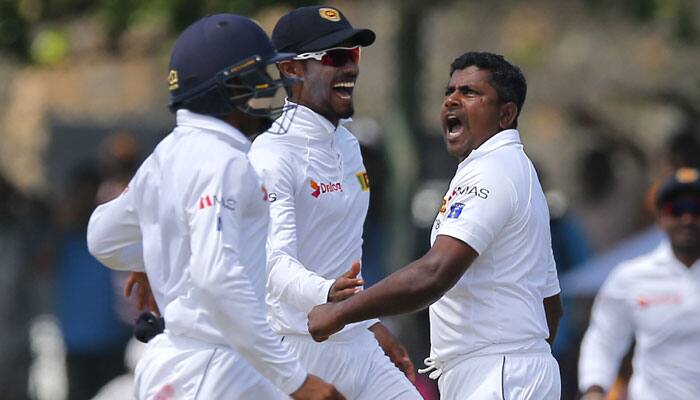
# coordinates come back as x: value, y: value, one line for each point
x: 613, y: 105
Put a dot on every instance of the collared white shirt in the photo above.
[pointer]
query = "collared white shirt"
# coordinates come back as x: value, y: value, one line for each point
x: 654, y: 299
x: 194, y: 217
x: 319, y: 195
x: 495, y: 205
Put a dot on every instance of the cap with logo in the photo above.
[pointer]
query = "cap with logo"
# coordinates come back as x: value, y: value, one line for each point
x: 683, y: 181
x: 316, y: 28
x: 211, y: 52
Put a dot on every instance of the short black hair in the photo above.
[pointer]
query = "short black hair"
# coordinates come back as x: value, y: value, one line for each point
x: 506, y: 78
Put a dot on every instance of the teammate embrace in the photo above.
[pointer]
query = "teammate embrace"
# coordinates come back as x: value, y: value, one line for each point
x: 294, y: 244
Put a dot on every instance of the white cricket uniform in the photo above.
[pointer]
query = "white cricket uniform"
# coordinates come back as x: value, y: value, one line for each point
x: 655, y: 299
x: 319, y: 195
x: 493, y: 319
x: 194, y: 218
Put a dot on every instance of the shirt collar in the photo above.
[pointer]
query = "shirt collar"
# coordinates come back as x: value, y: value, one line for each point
x: 500, y: 139
x: 186, y: 118
x: 310, y: 122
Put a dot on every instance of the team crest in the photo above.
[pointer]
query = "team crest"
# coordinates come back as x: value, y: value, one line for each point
x: 329, y: 14
x: 173, y: 82
x: 443, y: 205
x: 363, y: 179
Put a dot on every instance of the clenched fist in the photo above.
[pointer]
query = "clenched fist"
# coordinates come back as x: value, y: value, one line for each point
x: 324, y: 321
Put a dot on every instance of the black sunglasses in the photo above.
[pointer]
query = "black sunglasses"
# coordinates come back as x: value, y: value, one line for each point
x: 677, y: 208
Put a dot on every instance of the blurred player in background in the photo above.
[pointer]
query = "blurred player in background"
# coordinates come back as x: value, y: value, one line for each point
x: 490, y: 274
x: 319, y: 194
x: 654, y: 299
x: 194, y: 218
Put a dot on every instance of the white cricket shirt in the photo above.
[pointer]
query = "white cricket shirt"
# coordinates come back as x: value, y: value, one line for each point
x: 495, y: 205
x: 194, y: 217
x: 654, y: 299
x: 319, y: 194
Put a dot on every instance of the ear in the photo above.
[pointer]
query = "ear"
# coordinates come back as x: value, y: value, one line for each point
x: 507, y: 115
x: 291, y: 69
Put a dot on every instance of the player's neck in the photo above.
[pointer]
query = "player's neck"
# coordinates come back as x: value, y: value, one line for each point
x: 687, y: 257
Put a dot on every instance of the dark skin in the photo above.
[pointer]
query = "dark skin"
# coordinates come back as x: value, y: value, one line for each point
x: 472, y: 111
x: 684, y: 234
x: 683, y: 231
x: 324, y: 89
x: 471, y: 114
x: 318, y: 87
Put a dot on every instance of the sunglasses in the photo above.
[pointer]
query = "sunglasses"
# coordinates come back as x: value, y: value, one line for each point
x: 677, y: 208
x: 335, y: 57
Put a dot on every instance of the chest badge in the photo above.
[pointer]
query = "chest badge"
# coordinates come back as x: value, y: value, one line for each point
x: 363, y: 179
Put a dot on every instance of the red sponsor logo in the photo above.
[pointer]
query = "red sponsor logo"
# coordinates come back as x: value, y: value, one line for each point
x: 205, y: 201
x: 167, y: 392
x: 646, y: 301
x: 320, y: 188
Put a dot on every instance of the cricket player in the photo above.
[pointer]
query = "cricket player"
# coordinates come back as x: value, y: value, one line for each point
x: 319, y: 194
x: 194, y: 218
x: 489, y: 277
x: 655, y: 299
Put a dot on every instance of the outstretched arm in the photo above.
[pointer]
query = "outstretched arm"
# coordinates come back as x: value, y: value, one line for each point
x: 412, y: 288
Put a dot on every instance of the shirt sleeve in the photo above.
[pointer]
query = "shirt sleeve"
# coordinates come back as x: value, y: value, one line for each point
x: 608, y: 337
x: 222, y: 281
x: 288, y: 279
x: 114, y: 234
x: 478, y: 208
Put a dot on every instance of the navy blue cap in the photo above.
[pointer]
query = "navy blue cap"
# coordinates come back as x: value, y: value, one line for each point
x: 209, y: 46
x: 684, y: 180
x: 316, y: 28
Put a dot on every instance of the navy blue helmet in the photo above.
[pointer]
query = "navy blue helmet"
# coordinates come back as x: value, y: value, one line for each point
x: 219, y: 63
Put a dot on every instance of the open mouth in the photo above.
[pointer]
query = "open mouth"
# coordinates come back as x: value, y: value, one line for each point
x: 344, y: 89
x: 454, y: 126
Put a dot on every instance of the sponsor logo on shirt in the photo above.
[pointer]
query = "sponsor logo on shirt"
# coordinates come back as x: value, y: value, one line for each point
x: 646, y: 301
x: 269, y: 196
x: 320, y: 188
x: 363, y: 178
x: 455, y: 210
x: 207, y: 201
x: 481, y: 193
x: 167, y: 392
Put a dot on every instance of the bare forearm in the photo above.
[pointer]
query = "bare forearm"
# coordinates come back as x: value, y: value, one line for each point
x: 412, y: 288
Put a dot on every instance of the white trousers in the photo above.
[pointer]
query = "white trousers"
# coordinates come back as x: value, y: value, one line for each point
x: 179, y: 368
x: 503, y: 377
x: 358, y: 368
